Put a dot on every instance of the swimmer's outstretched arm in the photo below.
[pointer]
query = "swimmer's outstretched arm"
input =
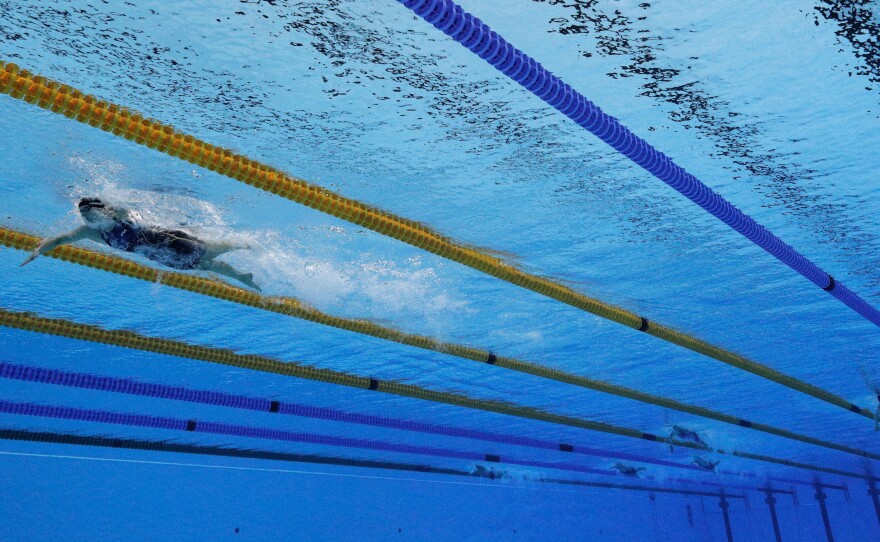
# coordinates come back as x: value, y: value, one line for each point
x: 82, y: 232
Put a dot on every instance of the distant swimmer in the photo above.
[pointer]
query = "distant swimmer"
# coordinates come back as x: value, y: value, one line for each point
x: 681, y: 434
x: 122, y: 230
x: 627, y: 470
x: 705, y: 463
x: 485, y: 472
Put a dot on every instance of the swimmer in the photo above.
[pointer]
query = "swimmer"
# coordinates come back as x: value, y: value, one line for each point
x: 121, y: 229
x: 485, y: 472
x: 686, y: 435
x: 627, y: 470
x: 706, y: 464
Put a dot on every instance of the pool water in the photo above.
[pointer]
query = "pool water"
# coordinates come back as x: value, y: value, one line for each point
x: 775, y: 106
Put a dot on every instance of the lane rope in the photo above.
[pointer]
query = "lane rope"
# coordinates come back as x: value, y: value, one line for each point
x: 292, y: 307
x: 235, y: 430
x: 129, y: 339
x: 122, y: 122
x: 473, y: 34
x: 225, y: 451
x: 217, y: 451
x: 230, y: 467
x: 57, y: 377
x: 27, y: 373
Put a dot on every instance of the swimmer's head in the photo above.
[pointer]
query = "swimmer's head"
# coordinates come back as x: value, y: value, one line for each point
x: 95, y: 212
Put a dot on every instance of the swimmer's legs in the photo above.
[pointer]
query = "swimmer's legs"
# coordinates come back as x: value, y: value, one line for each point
x: 223, y: 268
x: 212, y: 249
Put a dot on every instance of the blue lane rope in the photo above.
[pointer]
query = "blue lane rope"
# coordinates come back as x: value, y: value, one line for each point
x: 472, y: 33
x: 235, y: 430
x: 160, y: 391
x: 28, y: 373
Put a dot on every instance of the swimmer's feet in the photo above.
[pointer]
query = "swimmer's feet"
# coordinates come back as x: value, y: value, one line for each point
x: 248, y: 280
x: 226, y: 270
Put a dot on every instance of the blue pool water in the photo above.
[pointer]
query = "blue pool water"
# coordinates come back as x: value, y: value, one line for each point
x: 773, y: 105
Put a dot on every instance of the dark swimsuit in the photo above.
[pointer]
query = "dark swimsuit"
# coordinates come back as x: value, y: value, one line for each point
x: 173, y: 248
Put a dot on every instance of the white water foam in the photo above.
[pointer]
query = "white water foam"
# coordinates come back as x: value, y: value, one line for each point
x: 322, y: 266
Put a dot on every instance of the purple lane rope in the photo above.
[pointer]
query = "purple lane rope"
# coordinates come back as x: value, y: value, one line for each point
x: 133, y: 387
x: 473, y: 34
x: 235, y: 430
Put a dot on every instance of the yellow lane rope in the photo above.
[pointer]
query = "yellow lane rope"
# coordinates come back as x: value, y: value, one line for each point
x: 799, y: 465
x: 113, y: 118
x: 292, y: 307
x: 130, y: 339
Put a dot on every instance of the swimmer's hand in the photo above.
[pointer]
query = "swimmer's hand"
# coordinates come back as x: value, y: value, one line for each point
x: 80, y: 233
x: 30, y: 258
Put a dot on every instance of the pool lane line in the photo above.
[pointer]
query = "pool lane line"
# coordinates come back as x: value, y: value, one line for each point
x: 683, y: 481
x: 235, y: 430
x: 132, y: 340
x: 473, y: 34
x: 58, y: 377
x: 67, y: 101
x: 23, y: 435
x: 129, y: 339
x: 293, y: 307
